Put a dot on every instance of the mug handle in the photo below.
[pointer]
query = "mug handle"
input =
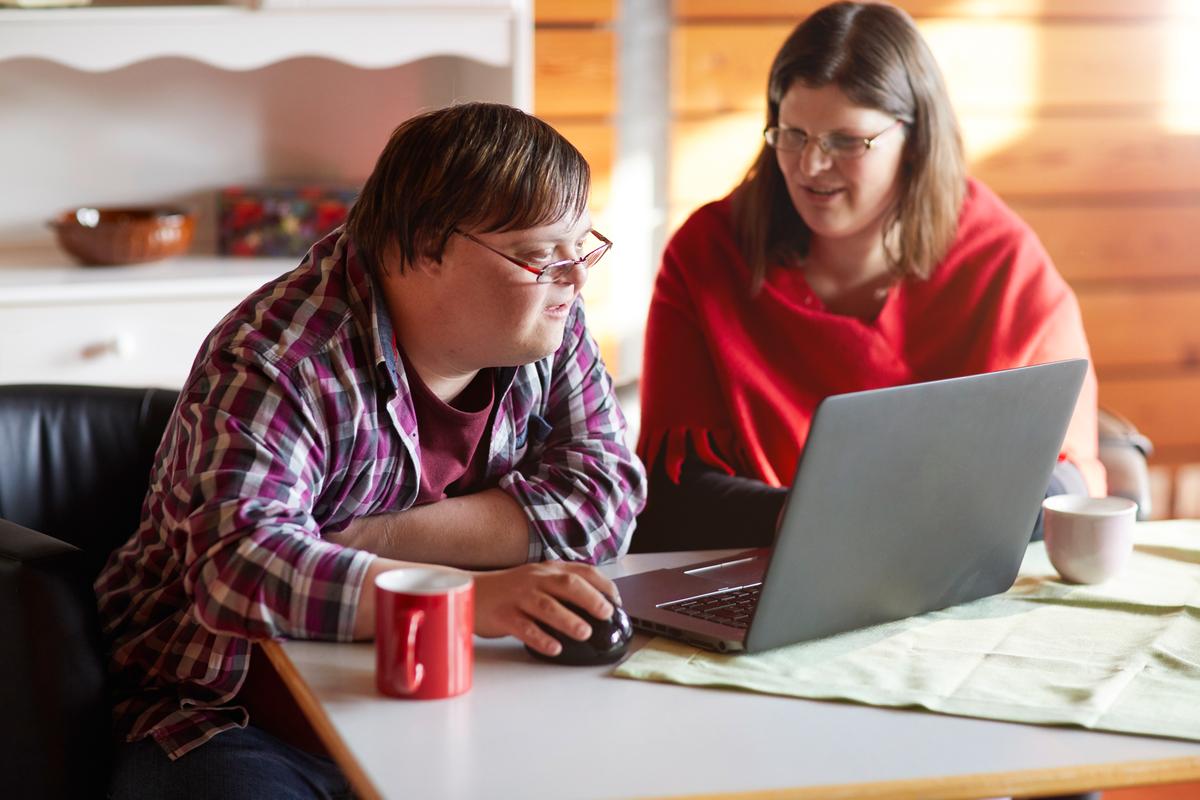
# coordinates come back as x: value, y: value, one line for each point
x: 414, y: 673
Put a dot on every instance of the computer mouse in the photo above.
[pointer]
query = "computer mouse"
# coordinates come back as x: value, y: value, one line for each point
x: 608, y: 642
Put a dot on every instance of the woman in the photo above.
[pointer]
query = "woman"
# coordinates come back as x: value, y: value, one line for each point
x: 855, y: 254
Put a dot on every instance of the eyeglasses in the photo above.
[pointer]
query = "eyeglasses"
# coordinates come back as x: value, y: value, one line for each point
x: 559, y: 271
x: 834, y: 145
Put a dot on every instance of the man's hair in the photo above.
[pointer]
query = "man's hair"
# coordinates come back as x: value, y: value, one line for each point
x: 875, y: 55
x: 476, y: 166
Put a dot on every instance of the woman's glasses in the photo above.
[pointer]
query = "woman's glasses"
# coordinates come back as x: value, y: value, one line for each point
x: 834, y: 145
x: 560, y: 271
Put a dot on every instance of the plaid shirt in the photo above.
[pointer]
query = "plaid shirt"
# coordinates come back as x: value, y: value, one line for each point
x: 296, y: 420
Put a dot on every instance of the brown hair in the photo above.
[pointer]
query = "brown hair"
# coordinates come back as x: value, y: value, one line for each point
x: 480, y: 166
x: 875, y: 55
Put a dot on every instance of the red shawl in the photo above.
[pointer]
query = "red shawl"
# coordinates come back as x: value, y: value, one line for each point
x: 739, y: 376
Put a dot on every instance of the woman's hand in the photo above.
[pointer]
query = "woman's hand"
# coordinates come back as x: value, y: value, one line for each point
x: 508, y: 602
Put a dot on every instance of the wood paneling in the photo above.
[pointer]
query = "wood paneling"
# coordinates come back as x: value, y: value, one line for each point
x: 1044, y: 161
x: 724, y: 67
x: 721, y: 68
x: 595, y: 141
x: 574, y: 11
x: 1148, y: 327
x: 1083, y: 156
x: 575, y: 73
x: 1166, y: 408
x: 977, y: 9
x: 1119, y: 243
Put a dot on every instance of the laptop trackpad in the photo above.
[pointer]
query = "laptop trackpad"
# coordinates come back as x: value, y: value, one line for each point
x: 737, y: 572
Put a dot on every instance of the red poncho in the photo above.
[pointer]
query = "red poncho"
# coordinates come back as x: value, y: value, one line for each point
x: 739, y: 376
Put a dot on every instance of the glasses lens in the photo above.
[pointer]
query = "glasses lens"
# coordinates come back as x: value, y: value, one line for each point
x: 785, y: 138
x: 597, y: 253
x: 845, y: 146
x: 562, y: 272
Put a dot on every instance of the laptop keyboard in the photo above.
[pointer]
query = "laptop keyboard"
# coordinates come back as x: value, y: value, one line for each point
x: 732, y: 607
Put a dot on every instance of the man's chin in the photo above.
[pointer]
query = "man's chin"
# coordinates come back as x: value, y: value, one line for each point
x: 532, y: 351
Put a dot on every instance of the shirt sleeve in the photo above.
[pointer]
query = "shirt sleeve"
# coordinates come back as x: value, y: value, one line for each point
x: 584, y: 488
x: 706, y: 509
x: 1063, y: 338
x: 244, y: 468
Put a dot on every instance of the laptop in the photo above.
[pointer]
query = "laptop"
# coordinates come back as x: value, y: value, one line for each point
x: 906, y: 500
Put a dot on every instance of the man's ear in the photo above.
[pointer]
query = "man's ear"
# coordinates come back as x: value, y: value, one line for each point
x: 428, y: 265
x: 393, y: 262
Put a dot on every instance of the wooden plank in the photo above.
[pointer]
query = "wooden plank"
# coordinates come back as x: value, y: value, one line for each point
x: 597, y: 142
x: 1080, y: 156
x: 1122, y: 159
x: 574, y: 11
x: 1163, y: 407
x: 989, y: 65
x: 1150, y: 326
x: 720, y: 68
x: 574, y: 73
x: 985, y: 9
x: 1119, y: 242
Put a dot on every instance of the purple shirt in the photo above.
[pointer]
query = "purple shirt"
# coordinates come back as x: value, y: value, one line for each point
x: 296, y: 420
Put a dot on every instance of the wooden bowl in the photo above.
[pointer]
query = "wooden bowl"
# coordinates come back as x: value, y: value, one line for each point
x: 111, y: 236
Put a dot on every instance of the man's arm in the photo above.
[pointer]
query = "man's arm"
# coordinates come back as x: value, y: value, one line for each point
x: 483, y: 530
x: 581, y: 486
x: 244, y: 456
x: 575, y: 500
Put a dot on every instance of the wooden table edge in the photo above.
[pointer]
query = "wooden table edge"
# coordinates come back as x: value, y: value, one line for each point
x: 1051, y: 781
x: 310, y: 706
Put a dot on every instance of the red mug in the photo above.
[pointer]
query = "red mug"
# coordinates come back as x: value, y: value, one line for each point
x: 424, y: 624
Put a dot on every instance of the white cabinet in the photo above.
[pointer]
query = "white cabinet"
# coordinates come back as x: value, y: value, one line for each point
x: 168, y: 104
x: 121, y: 326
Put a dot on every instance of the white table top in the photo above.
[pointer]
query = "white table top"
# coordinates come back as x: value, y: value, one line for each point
x: 534, y: 730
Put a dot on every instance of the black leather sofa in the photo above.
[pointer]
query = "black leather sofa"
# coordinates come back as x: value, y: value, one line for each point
x: 74, y: 468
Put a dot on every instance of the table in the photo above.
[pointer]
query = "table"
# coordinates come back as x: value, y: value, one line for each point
x: 533, y: 730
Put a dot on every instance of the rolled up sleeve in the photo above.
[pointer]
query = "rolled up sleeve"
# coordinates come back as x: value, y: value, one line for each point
x: 583, y: 490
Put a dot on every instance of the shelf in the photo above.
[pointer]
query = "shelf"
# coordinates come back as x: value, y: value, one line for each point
x: 238, y: 38
x: 35, y: 277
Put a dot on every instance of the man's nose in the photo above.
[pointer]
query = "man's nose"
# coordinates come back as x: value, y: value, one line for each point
x: 577, y: 274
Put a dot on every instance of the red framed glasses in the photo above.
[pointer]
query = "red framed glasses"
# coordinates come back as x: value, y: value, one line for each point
x: 559, y: 271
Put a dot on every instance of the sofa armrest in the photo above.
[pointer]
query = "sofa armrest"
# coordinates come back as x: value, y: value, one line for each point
x: 52, y: 677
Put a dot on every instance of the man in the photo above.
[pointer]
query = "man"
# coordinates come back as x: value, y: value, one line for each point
x: 422, y: 388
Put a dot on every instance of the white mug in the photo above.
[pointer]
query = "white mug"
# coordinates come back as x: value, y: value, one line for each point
x: 1088, y: 539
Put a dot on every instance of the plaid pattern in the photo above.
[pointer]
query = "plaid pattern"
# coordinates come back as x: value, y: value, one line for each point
x: 295, y: 420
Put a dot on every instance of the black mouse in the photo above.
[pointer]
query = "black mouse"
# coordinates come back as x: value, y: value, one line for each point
x: 608, y: 642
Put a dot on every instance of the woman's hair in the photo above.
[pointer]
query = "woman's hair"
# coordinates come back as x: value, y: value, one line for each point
x: 875, y: 55
x: 477, y: 166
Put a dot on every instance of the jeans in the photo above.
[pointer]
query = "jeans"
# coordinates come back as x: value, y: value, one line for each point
x: 235, y: 764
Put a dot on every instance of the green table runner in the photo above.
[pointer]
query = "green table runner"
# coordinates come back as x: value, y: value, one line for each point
x: 1120, y: 656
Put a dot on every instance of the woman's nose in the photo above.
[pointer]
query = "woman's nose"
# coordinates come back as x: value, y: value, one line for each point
x: 813, y: 158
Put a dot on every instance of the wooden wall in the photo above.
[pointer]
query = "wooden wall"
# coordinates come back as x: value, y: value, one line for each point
x: 1083, y: 114
x: 575, y: 90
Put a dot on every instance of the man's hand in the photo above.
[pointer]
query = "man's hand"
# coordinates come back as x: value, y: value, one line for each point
x: 508, y: 601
